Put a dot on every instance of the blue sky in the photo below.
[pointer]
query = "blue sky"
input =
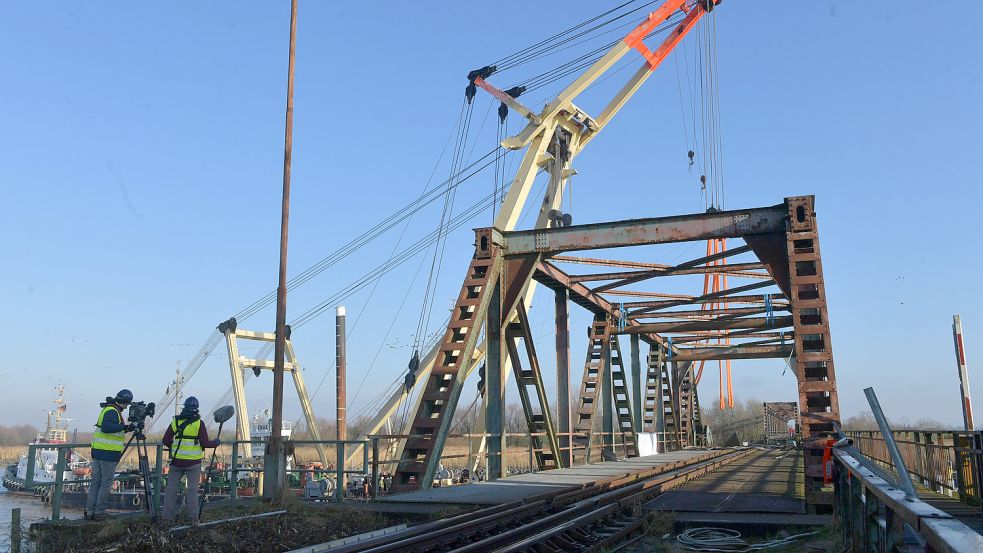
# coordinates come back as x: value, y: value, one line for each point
x: 141, y: 163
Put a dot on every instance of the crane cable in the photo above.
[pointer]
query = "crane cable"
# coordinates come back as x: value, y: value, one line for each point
x: 516, y: 59
x: 552, y: 43
x: 586, y: 60
x: 431, y: 195
x: 707, y: 151
x: 410, y: 252
x: 422, y: 324
x: 213, y: 341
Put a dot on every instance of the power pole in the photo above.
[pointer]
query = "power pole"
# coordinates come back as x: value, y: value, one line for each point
x: 967, y: 402
x: 274, y: 462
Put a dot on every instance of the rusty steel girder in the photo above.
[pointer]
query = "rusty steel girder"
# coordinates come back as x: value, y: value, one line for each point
x: 640, y: 232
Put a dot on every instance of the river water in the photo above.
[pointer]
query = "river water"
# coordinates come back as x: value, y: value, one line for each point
x: 31, y: 510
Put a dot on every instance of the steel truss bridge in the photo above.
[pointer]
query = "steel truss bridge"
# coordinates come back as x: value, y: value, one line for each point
x: 663, y: 398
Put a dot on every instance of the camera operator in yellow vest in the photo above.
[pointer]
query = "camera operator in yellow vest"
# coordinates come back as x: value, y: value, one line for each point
x: 108, y: 442
x: 187, y: 439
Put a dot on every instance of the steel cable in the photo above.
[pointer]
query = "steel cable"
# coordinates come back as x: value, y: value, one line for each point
x: 585, y: 60
x: 510, y: 60
x: 428, y: 197
x: 729, y: 541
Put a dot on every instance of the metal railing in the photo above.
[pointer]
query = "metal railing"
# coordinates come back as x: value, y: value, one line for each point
x: 521, y: 443
x: 55, y: 489
x: 875, y: 515
x: 233, y: 464
x: 948, y: 462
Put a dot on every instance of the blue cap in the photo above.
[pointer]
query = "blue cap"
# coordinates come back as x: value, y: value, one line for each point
x: 191, y: 403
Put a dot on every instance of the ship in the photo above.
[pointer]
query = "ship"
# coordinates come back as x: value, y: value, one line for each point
x: 46, y: 459
x: 261, y: 427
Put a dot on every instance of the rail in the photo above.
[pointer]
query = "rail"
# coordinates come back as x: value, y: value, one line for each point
x: 874, y: 515
x: 594, y: 516
x: 949, y: 462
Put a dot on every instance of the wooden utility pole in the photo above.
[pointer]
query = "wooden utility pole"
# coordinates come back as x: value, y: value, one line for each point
x: 274, y: 464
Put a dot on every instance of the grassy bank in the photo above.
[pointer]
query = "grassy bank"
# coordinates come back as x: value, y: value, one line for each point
x: 304, y: 524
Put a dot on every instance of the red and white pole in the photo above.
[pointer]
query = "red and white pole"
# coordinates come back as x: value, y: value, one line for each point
x: 957, y: 335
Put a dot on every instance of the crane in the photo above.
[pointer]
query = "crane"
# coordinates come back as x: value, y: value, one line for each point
x: 498, y: 289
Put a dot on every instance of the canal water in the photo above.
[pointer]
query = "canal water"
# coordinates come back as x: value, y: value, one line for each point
x: 31, y: 510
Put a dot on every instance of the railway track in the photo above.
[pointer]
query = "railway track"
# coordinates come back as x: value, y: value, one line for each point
x: 597, y: 515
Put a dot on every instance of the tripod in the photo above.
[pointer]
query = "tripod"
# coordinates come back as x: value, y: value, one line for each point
x: 141, y: 445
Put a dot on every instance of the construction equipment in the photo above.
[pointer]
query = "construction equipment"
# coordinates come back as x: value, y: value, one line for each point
x: 238, y: 365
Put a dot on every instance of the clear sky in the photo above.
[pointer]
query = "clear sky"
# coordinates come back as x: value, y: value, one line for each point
x: 141, y: 156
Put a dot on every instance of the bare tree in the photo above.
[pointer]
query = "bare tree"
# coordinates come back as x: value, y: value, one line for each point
x: 515, y: 419
x: 865, y: 421
x: 465, y: 421
x: 743, y: 423
x: 18, y: 435
x: 862, y: 421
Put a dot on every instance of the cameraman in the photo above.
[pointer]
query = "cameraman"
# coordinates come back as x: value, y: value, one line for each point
x: 107, y: 448
x: 187, y: 439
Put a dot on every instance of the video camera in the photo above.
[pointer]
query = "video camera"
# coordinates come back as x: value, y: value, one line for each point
x: 139, y: 411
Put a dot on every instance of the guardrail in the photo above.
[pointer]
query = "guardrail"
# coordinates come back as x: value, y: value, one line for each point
x: 874, y: 513
x: 946, y: 461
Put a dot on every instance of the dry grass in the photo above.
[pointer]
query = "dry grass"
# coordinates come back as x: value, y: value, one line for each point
x: 304, y: 524
x: 10, y: 453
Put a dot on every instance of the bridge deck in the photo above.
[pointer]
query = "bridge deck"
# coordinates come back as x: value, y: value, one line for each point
x: 524, y: 486
x: 764, y: 491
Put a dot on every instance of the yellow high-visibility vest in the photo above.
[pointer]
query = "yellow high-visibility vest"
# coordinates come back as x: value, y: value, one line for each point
x: 108, y: 441
x: 186, y: 446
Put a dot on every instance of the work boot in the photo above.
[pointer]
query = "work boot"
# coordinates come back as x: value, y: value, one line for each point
x: 86, y: 515
x: 99, y: 517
